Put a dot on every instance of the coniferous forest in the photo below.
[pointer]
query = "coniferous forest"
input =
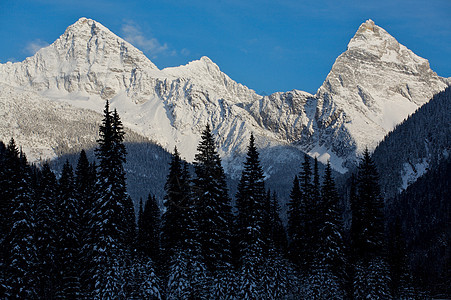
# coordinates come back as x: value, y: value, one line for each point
x: 76, y: 235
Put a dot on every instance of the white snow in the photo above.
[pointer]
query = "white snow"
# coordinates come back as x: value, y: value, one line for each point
x: 411, y: 172
x: 363, y: 97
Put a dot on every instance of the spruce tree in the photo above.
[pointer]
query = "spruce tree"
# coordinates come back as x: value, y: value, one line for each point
x: 85, y: 184
x: 308, y: 241
x: 401, y: 278
x: 212, y: 207
x: 177, y: 201
x: 108, y: 225
x: 68, y: 230
x: 46, y: 234
x: 295, y: 223
x: 371, y: 278
x: 130, y: 223
x: 19, y: 274
x: 149, y: 232
x: 251, y: 202
x: 278, y: 232
x: 327, y: 274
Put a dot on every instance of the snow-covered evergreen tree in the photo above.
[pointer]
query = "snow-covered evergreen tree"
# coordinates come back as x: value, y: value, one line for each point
x: 250, y: 202
x: 46, y: 234
x: 371, y: 274
x: 309, y: 195
x: 188, y: 275
x: 68, y: 233
x: 295, y: 223
x: 130, y: 233
x: 212, y: 208
x: 19, y: 275
x: 149, y: 230
x: 177, y: 223
x: 143, y: 282
x: 107, y: 245
x: 327, y: 273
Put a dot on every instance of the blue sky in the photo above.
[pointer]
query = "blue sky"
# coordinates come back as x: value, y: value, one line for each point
x: 267, y: 45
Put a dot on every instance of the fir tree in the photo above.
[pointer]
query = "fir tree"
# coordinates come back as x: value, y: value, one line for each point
x: 295, y: 223
x: 278, y: 232
x: 46, y: 224
x: 309, y: 193
x: 254, y: 229
x: 149, y: 230
x: 212, y: 204
x: 19, y: 274
x: 401, y: 278
x: 68, y: 236
x: 85, y: 183
x: 130, y: 223
x: 327, y: 273
x: 140, y: 232
x: 107, y: 244
x: 186, y: 271
x: 371, y: 277
x: 145, y: 284
x: 176, y: 223
x: 251, y: 200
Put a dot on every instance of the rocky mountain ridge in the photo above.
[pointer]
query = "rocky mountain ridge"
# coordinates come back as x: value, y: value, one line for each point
x: 372, y: 87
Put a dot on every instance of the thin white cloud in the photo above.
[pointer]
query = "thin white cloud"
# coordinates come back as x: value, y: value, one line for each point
x: 185, y: 52
x: 132, y: 33
x: 34, y: 46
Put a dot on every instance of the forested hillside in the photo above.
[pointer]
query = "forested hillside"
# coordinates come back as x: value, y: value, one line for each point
x: 416, y: 145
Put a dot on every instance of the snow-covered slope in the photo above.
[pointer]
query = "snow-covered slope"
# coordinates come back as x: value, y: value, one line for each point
x: 372, y: 86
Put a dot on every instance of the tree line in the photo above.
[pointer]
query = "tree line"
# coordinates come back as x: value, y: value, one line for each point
x: 76, y: 235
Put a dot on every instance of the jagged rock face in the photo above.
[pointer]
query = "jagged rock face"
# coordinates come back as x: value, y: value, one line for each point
x: 373, y: 86
x: 88, y: 58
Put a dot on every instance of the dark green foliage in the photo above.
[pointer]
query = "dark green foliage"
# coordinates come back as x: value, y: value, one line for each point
x: 108, y: 227
x: 176, y: 221
x: 309, y: 193
x: 46, y: 225
x: 85, y: 181
x: 149, y: 230
x: 328, y: 270
x: 68, y: 242
x: 422, y: 137
x: 368, y: 212
x: 296, y: 223
x: 278, y: 234
x: 250, y: 202
x: 212, y: 209
x: 252, y: 226
x: 130, y: 233
x: 401, y: 279
x: 424, y: 212
x: 371, y: 276
x: 19, y: 274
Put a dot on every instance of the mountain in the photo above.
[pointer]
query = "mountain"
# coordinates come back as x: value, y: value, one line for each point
x: 424, y: 211
x: 417, y: 145
x: 372, y: 86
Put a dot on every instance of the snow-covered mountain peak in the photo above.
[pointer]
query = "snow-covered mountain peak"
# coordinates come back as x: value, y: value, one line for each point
x: 374, y: 43
x: 199, y: 67
x: 372, y: 38
x: 87, y: 57
x: 374, y: 85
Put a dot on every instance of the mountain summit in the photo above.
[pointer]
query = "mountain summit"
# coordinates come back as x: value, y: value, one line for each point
x: 372, y: 86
